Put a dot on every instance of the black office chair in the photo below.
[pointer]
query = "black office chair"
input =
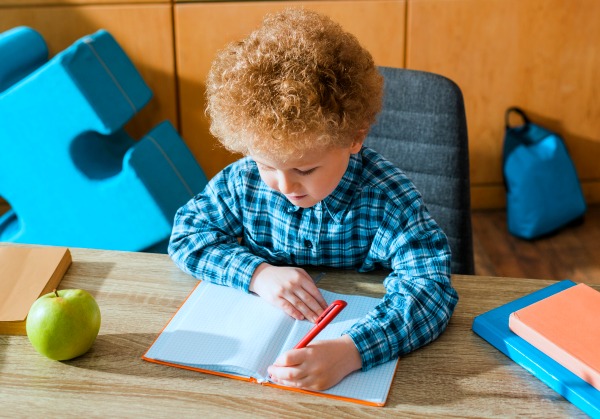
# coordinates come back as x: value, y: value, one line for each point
x: 422, y: 129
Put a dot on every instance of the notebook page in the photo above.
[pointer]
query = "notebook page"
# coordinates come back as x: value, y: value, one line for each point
x: 223, y: 329
x: 372, y: 385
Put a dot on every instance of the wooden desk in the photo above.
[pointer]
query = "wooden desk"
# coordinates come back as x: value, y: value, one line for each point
x: 459, y: 375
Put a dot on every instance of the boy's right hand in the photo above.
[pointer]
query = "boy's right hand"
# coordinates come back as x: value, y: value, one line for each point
x: 291, y: 289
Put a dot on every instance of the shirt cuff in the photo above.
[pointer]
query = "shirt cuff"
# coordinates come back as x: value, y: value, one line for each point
x: 241, y: 269
x: 372, y: 345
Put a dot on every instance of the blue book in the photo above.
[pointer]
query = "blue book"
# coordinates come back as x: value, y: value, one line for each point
x: 493, y: 327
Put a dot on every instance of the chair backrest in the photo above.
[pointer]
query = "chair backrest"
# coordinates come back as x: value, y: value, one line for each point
x: 422, y: 130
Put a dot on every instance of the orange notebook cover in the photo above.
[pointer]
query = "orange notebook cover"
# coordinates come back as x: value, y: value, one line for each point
x: 223, y: 331
x: 26, y: 273
x: 566, y: 327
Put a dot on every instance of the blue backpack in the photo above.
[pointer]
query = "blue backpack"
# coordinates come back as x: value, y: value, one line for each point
x: 543, y: 193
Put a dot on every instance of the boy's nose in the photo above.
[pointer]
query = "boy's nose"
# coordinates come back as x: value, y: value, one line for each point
x: 285, y: 183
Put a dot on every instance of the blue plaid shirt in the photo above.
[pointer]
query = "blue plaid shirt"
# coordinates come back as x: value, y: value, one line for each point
x: 375, y: 218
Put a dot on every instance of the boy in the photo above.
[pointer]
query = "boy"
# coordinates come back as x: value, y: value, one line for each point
x: 297, y: 97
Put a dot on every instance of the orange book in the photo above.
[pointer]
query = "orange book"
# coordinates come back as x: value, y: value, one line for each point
x: 566, y: 327
x: 26, y: 273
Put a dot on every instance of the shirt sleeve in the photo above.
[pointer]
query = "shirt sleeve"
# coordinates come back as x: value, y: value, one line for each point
x: 204, y: 241
x: 419, y: 299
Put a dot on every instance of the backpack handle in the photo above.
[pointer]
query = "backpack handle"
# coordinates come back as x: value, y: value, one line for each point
x: 518, y: 111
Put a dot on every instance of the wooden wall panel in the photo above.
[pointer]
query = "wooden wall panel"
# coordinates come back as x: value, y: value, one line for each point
x: 143, y: 31
x: 4, y: 3
x: 203, y: 28
x: 541, y: 55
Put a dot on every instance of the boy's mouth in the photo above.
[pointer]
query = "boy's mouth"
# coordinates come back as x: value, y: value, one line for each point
x: 296, y: 197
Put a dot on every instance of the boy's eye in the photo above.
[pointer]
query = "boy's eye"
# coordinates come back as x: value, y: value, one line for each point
x: 306, y: 172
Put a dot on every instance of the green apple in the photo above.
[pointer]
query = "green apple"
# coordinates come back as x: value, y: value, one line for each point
x: 63, y: 325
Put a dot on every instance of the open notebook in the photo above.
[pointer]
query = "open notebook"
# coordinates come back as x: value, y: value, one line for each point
x: 224, y: 331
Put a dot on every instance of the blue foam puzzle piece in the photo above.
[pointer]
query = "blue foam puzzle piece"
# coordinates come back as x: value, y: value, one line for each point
x: 70, y: 173
x: 21, y: 51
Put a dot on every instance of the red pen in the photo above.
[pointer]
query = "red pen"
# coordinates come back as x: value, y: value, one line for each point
x: 323, y: 320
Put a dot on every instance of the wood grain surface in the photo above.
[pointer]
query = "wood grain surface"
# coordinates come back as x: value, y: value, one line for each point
x: 459, y: 375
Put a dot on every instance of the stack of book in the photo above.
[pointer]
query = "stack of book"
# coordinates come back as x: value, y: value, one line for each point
x: 554, y: 333
x: 26, y: 273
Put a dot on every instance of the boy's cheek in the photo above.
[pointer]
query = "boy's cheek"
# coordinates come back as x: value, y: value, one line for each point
x: 270, y: 181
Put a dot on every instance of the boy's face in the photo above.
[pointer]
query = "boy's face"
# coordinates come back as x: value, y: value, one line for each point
x: 309, y: 179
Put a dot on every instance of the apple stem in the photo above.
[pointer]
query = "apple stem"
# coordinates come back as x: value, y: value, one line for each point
x: 55, y: 292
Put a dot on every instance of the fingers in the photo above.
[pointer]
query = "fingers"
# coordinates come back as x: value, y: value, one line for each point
x: 301, y: 299
x: 290, y: 288
x: 310, y: 304
x: 300, y: 307
x: 290, y: 377
x: 291, y: 358
x: 287, y: 369
x: 314, y: 292
x: 288, y: 305
x: 302, y: 368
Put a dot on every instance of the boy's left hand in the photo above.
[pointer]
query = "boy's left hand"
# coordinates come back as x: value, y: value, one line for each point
x: 290, y: 288
x: 319, y: 366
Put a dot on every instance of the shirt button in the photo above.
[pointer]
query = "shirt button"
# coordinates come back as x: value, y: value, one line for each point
x: 308, y: 244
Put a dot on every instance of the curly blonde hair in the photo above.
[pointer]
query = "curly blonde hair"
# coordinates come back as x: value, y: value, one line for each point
x: 299, y: 82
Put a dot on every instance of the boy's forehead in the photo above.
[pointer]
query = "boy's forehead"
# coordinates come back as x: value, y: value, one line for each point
x: 279, y: 162
x: 306, y: 158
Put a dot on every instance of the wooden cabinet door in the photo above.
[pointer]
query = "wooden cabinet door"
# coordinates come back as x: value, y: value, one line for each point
x: 541, y: 55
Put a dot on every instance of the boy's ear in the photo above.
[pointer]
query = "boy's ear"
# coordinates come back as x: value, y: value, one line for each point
x: 359, y: 139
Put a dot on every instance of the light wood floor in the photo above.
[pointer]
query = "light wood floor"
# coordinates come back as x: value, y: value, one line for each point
x: 573, y: 254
